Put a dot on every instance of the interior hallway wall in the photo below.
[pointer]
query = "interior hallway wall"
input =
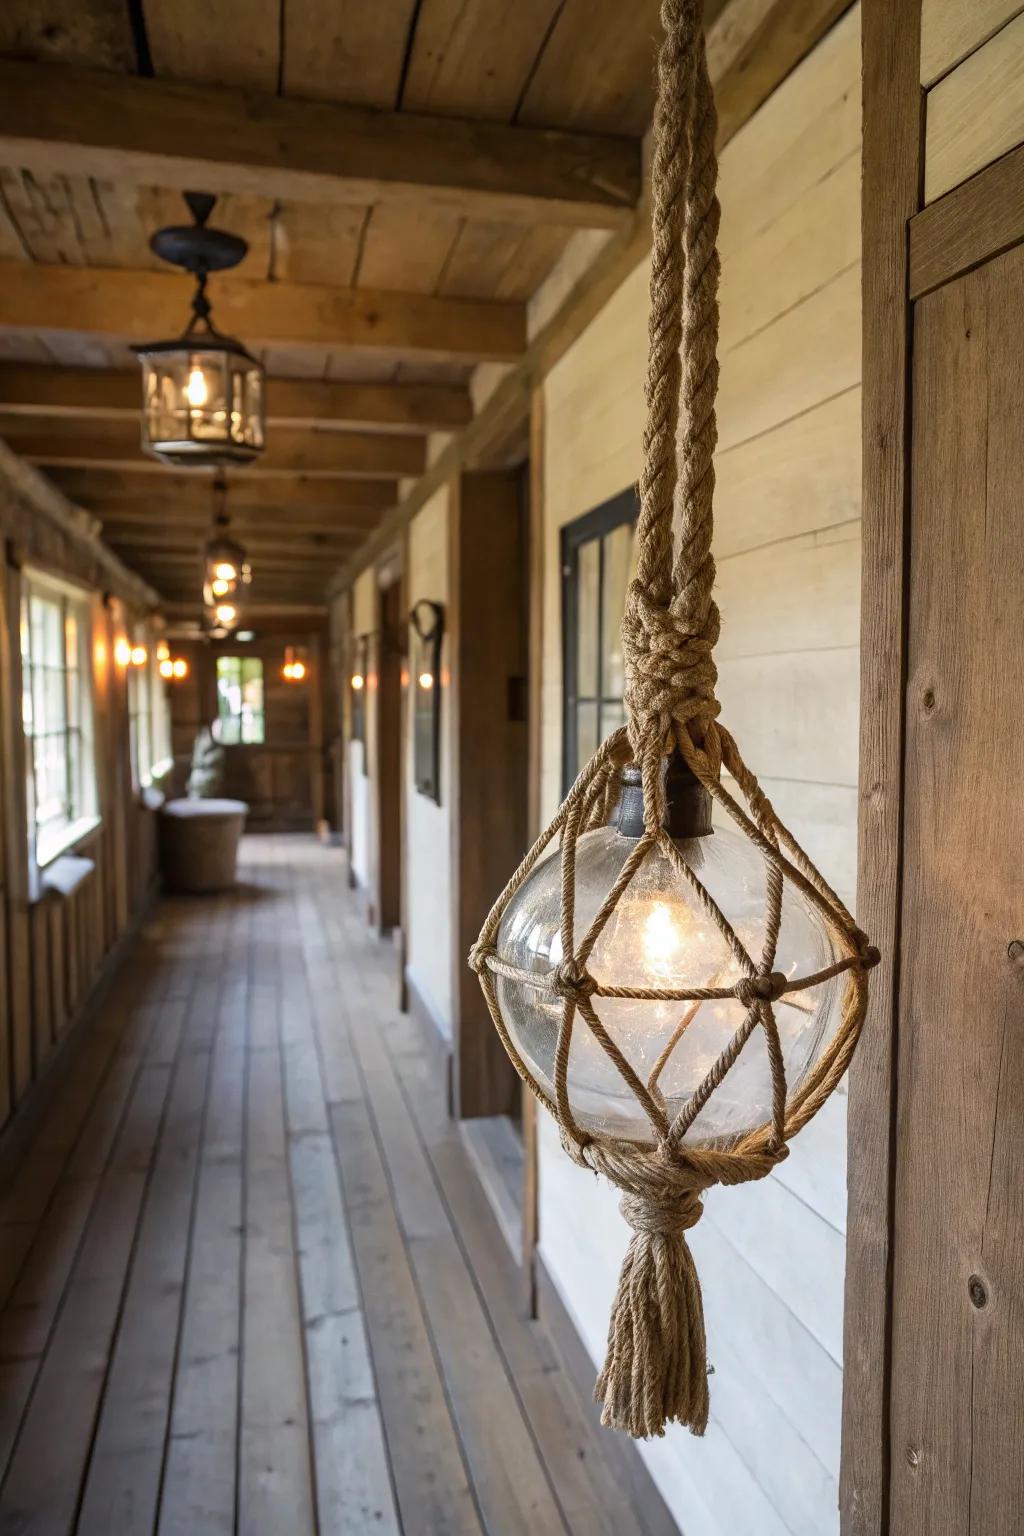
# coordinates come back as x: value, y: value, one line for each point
x: 428, y: 879
x: 363, y: 615
x: 787, y: 545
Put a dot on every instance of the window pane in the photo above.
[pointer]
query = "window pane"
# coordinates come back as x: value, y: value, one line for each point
x: 618, y: 568
x: 586, y: 733
x: 612, y: 716
x: 240, y: 700
x: 586, y: 619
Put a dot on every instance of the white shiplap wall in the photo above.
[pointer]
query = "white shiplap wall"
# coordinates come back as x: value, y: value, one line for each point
x: 788, y: 549
x: 429, y: 936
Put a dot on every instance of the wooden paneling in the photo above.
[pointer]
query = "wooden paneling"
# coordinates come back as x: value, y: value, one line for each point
x: 346, y: 50
x: 474, y: 59
x: 951, y: 30
x: 976, y: 113
x: 238, y: 43
x: 892, y: 167
x: 958, y: 1309
x: 489, y: 757
x: 977, y: 220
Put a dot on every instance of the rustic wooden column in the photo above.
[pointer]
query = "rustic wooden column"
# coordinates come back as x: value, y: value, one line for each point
x: 487, y: 721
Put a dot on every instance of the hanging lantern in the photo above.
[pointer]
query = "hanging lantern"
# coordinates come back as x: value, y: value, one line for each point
x: 225, y: 567
x: 295, y: 666
x: 681, y: 996
x: 202, y: 392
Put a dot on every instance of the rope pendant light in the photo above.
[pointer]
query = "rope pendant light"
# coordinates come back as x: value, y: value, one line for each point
x: 681, y: 998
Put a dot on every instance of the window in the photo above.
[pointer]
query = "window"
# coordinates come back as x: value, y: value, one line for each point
x: 240, y: 700
x: 57, y: 714
x: 149, y: 724
x: 598, y: 562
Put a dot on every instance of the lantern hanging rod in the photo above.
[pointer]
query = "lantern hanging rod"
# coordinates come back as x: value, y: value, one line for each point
x: 199, y: 249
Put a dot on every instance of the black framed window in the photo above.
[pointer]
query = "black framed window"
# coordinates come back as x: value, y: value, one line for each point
x: 598, y: 561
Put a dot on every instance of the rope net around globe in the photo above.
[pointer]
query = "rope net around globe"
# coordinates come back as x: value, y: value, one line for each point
x: 656, y: 1367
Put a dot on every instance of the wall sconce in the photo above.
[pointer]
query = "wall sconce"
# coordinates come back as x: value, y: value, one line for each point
x: 139, y: 655
x: 202, y: 392
x: 357, y: 683
x: 173, y: 668
x: 427, y: 622
x: 122, y: 652
x: 295, y: 667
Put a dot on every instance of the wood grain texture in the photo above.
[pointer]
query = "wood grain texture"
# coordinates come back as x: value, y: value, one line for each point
x: 892, y: 160
x: 950, y: 31
x: 358, y: 500
x: 974, y: 222
x: 126, y: 130
x: 976, y: 113
x: 103, y: 302
x: 346, y: 50
x: 62, y: 31
x: 237, y: 43
x: 474, y: 59
x: 958, y: 1310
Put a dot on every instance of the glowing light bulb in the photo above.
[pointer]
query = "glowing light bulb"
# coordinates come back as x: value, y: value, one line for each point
x: 225, y: 613
x: 166, y: 667
x: 220, y: 588
x: 662, y: 939
x: 122, y: 652
x: 139, y: 655
x: 358, y: 682
x: 298, y: 671
x: 179, y: 667
x: 196, y: 392
x: 426, y: 679
x: 163, y: 650
x: 224, y: 570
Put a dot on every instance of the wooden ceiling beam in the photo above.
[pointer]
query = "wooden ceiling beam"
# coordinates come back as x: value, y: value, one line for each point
x: 120, y: 128
x: 96, y: 394
x: 139, y: 307
x: 73, y: 443
x: 122, y: 523
x: 172, y: 490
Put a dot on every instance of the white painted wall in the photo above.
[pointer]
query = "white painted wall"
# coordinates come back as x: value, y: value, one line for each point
x: 429, y: 936
x: 363, y: 619
x: 788, y: 548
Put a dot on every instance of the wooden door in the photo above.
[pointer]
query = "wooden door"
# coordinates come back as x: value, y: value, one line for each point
x: 958, y: 1287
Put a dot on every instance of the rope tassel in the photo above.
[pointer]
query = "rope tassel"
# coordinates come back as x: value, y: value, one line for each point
x: 656, y: 1369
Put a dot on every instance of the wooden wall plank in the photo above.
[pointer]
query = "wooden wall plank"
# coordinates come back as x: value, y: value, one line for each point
x: 977, y: 220
x: 958, y: 1305
x: 976, y: 113
x: 892, y: 169
x: 951, y: 30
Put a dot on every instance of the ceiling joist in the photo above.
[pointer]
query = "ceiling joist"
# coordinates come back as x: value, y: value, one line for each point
x: 99, y: 394
x: 166, y: 133
x: 140, y: 306
x: 170, y: 491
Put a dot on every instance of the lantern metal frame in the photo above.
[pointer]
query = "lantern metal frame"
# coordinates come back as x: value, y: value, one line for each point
x: 200, y: 250
x: 222, y: 549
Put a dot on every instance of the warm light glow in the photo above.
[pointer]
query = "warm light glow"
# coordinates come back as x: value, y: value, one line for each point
x: 358, y: 681
x: 225, y: 613
x: 224, y: 571
x: 196, y: 392
x: 220, y: 588
x: 426, y: 679
x: 163, y: 650
x: 662, y: 939
x: 139, y: 655
x: 179, y: 667
x: 166, y: 667
x: 122, y: 652
x: 298, y: 671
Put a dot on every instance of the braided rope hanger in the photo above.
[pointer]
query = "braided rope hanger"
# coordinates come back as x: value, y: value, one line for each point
x: 656, y: 1366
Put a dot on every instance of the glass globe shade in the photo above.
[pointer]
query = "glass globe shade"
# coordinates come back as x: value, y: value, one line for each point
x: 659, y: 935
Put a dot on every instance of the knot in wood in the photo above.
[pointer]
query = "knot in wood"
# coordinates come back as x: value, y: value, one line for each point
x: 664, y: 1212
x: 572, y: 982
x: 764, y: 989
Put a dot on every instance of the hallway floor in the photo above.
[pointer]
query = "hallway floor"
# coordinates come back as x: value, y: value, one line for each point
x: 250, y: 1281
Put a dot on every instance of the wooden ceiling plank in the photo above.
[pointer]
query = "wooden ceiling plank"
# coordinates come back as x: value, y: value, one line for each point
x: 233, y: 42
x: 67, y: 32
x: 139, y: 306
x: 407, y: 248
x: 121, y: 128
x: 346, y: 50
x: 472, y: 58
x: 105, y: 394
x: 177, y: 488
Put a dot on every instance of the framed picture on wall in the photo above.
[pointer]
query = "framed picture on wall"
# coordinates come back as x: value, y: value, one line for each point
x: 598, y: 562
x: 427, y: 623
x: 357, y: 686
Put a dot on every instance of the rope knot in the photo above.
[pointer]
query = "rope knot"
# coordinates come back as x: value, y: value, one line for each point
x: 572, y: 982
x: 868, y: 953
x: 480, y: 954
x: 665, y: 1215
x: 764, y: 989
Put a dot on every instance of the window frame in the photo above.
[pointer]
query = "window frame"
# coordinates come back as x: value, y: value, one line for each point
x: 145, y: 683
x: 595, y: 525
x: 243, y: 660
x: 38, y: 582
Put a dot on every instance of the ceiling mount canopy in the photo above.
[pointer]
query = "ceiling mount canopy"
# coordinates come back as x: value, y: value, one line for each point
x: 203, y: 396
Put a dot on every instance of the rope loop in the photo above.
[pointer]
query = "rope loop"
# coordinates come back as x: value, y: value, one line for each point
x: 480, y: 954
x: 573, y: 982
x: 662, y: 1217
x: 766, y: 989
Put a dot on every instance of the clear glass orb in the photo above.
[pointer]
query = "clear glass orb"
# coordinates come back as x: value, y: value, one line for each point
x: 660, y: 936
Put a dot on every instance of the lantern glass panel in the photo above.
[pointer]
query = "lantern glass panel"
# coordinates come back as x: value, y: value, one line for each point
x: 202, y: 404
